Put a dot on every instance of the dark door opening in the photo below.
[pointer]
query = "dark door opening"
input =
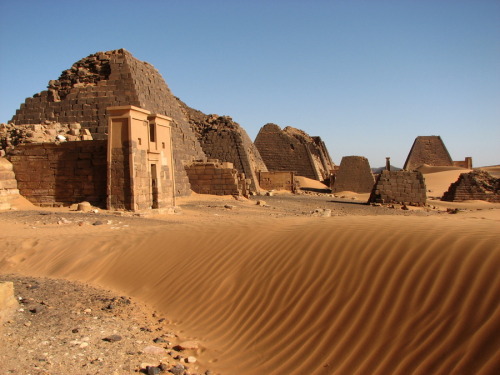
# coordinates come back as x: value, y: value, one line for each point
x: 154, y: 187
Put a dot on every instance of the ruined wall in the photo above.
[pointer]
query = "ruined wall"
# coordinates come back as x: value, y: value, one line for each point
x: 223, y: 139
x: 277, y: 181
x: 61, y: 174
x: 428, y: 150
x: 12, y: 135
x: 114, y: 78
x: 476, y: 185
x: 400, y: 187
x: 354, y: 175
x: 467, y: 163
x: 8, y: 184
x: 216, y: 178
x: 293, y: 150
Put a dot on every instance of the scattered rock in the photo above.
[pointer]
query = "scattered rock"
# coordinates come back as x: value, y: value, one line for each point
x: 112, y: 338
x: 151, y: 349
x: 177, y: 370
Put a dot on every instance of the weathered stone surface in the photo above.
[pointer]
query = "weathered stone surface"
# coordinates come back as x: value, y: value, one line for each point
x: 476, y: 185
x: 353, y: 175
x: 405, y: 187
x: 217, y: 179
x: 8, y: 302
x: 8, y: 184
x: 52, y: 174
x: 428, y: 150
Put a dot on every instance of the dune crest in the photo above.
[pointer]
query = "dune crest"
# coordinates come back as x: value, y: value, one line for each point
x: 363, y: 295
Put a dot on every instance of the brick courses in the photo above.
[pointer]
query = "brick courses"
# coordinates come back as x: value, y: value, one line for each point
x: 216, y: 178
x: 51, y: 174
x: 404, y: 187
x: 354, y: 175
x: 8, y: 184
x: 293, y: 150
x: 476, y: 185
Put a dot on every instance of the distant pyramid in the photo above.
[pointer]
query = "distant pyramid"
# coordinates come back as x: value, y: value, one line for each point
x: 104, y: 79
x: 293, y: 150
x: 428, y: 150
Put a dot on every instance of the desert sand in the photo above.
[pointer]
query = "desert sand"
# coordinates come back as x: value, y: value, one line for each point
x: 277, y: 288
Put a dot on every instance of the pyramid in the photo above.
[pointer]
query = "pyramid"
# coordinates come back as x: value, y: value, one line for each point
x: 475, y: 185
x: 113, y: 78
x: 354, y: 175
x: 293, y: 150
x: 428, y: 150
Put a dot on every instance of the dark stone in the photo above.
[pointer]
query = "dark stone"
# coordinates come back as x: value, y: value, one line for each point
x: 112, y: 338
x: 177, y: 370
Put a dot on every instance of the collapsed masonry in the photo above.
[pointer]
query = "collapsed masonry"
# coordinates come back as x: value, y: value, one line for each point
x: 114, y: 78
x: 295, y: 151
x: 476, y: 185
x: 13, y: 135
x: 404, y: 187
x: 353, y: 175
x: 223, y: 139
x: 431, y: 150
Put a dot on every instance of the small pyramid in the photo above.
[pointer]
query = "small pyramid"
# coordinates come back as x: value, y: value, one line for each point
x: 354, y: 175
x: 428, y: 150
x: 293, y: 150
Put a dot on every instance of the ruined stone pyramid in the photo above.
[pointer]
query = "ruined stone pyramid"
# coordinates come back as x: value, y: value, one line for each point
x: 293, y: 150
x: 104, y: 79
x: 428, y: 150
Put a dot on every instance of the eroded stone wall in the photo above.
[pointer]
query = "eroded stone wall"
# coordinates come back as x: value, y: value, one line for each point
x: 61, y: 174
x: 354, y: 174
x: 476, y: 185
x: 216, y: 178
x: 404, y: 187
x: 293, y: 150
x: 8, y: 184
x: 277, y: 181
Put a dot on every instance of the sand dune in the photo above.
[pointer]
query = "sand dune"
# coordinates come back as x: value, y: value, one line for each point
x: 355, y: 295
x: 438, y: 183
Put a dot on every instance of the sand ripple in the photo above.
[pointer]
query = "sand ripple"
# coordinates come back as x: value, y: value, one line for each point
x: 356, y: 295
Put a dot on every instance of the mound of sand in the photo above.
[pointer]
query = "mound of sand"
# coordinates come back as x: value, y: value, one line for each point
x: 494, y: 170
x: 426, y: 169
x: 437, y: 183
x: 308, y: 183
x: 356, y: 295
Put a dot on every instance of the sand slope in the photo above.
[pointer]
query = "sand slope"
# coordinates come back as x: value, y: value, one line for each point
x: 355, y: 295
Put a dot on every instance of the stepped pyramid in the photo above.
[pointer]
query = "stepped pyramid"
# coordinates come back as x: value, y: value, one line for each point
x: 428, y: 150
x: 104, y: 79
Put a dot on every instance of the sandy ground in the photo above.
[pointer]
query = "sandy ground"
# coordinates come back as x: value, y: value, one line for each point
x: 284, y: 284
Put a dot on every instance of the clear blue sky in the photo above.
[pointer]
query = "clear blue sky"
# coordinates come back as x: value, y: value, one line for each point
x: 366, y: 76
